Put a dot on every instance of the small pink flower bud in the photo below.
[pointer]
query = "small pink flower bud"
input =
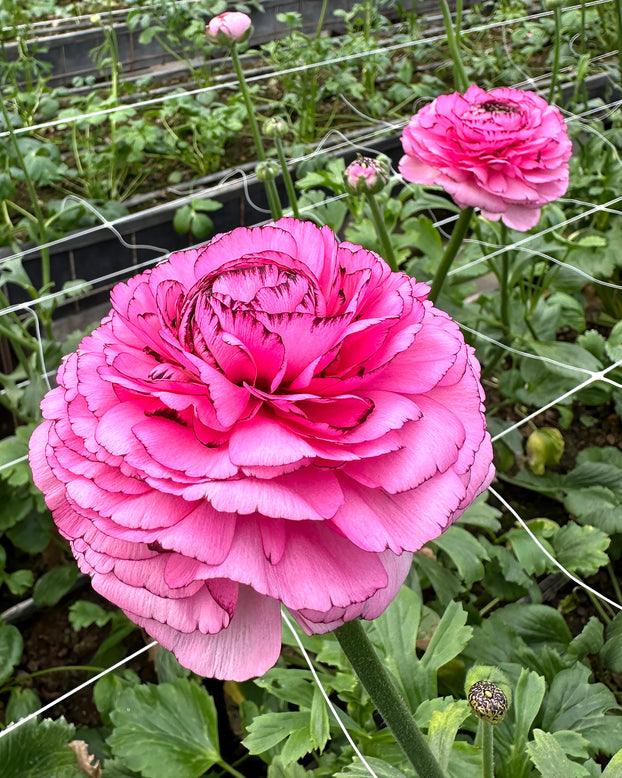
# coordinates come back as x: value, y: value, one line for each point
x: 229, y: 27
x: 365, y: 176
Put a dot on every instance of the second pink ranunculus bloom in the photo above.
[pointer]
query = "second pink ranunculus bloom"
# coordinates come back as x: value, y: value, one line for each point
x: 505, y: 151
x: 273, y: 418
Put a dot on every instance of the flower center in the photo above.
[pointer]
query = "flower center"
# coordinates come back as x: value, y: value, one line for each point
x: 498, y: 106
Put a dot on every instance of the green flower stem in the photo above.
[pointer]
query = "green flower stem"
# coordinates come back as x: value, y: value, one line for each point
x: 385, y: 240
x: 229, y: 769
x: 289, y: 184
x: 487, y: 740
x: 461, y: 81
x: 557, y: 15
x: 388, y: 701
x: 320, y: 23
x: 505, y: 296
x: 271, y: 191
x: 457, y: 236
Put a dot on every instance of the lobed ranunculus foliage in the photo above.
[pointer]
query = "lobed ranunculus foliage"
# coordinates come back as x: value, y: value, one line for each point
x: 273, y: 418
x: 505, y: 151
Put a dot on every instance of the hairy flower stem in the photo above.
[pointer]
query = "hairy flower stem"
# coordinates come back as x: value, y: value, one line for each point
x: 287, y: 178
x: 388, y: 701
x: 271, y: 192
x: 487, y: 735
x: 461, y: 80
x: 457, y: 236
x: 383, y: 235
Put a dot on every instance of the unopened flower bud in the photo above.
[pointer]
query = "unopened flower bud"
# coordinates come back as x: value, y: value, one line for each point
x: 267, y: 170
x: 488, y: 701
x: 229, y: 27
x: 366, y: 176
x: 274, y: 127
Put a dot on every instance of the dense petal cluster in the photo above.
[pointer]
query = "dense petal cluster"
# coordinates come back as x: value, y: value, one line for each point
x: 505, y: 151
x: 273, y: 418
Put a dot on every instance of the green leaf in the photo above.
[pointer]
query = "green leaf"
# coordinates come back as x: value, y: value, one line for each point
x: 54, y: 584
x: 465, y: 551
x: 83, y: 614
x: 319, y: 725
x: 549, y: 757
x: 39, y: 748
x: 581, y: 549
x: 589, y: 641
x: 611, y: 653
x: 614, y: 768
x: 573, y: 703
x: 167, y: 667
x: 564, y: 355
x: 613, y: 347
x: 22, y: 702
x: 538, y: 625
x: 165, y: 730
x: 11, y: 647
x: 449, y: 638
x: 269, y: 729
x: 358, y: 770
x: 397, y: 628
x: 597, y: 506
x: 528, y: 696
x: 278, y: 769
x: 444, y: 726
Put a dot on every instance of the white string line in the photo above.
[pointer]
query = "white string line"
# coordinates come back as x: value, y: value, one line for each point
x: 76, y: 689
x: 56, y: 24
x: 560, y: 262
x: 354, y: 142
x: 547, y: 553
x: 529, y: 238
x: 330, y: 705
x: 286, y: 71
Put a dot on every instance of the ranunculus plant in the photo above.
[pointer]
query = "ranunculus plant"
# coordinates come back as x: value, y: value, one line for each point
x: 273, y: 418
x: 505, y: 152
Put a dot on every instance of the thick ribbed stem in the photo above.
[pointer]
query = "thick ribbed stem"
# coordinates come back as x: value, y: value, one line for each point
x: 388, y: 701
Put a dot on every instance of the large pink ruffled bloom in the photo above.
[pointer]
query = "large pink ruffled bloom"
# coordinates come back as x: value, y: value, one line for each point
x: 273, y: 418
x: 505, y: 152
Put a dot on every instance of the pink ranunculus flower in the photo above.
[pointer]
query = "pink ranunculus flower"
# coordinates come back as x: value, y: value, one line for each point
x: 273, y: 418
x: 505, y: 151
x: 229, y: 27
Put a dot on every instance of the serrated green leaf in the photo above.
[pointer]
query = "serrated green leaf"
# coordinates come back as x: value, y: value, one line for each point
x: 319, y: 725
x: 465, y: 551
x: 565, y: 356
x: 449, y: 638
x: 11, y: 647
x: 573, y: 703
x: 589, y: 641
x: 298, y: 744
x: 269, y: 729
x: 444, y: 726
x: 167, y: 667
x: 54, y: 584
x: 537, y: 624
x: 397, y: 629
x: 611, y: 653
x: 358, y: 770
x: 581, y: 549
x: 39, y: 748
x: 165, y: 730
x: 614, y: 768
x: 83, y: 613
x: 277, y: 769
x: 549, y: 757
x: 597, y: 506
x: 22, y: 702
x: 613, y: 346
